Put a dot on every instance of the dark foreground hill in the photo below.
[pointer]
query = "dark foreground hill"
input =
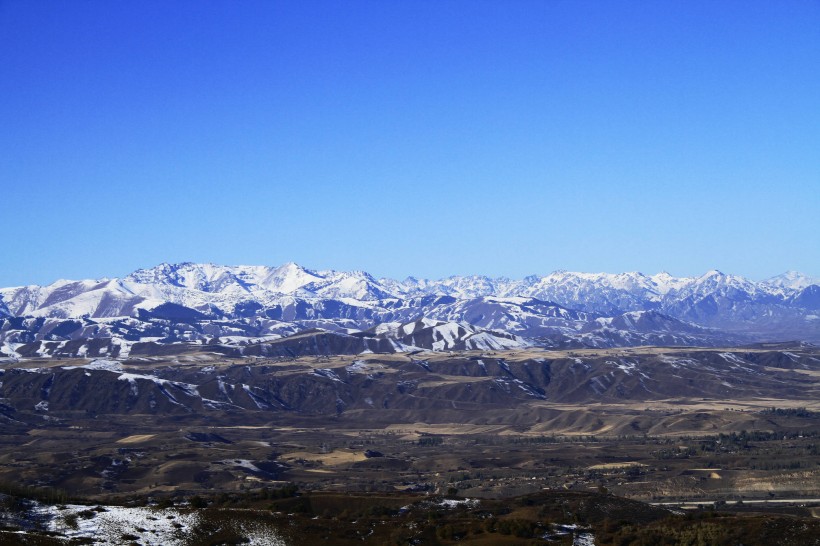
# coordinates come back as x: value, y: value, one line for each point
x: 286, y: 517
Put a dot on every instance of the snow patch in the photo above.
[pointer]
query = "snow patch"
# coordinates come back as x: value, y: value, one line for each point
x: 455, y: 503
x: 326, y: 373
x: 100, y: 364
x: 153, y: 527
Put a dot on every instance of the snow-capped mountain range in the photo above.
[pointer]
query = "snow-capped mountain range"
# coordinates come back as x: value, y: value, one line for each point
x: 189, y: 301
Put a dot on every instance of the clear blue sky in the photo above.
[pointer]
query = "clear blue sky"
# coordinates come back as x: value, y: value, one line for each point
x: 428, y: 138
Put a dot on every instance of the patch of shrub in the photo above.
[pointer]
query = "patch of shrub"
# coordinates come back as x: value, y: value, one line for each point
x: 71, y: 521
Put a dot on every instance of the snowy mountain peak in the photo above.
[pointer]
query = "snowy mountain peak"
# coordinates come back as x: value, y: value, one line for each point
x: 288, y: 278
x: 786, y: 305
x: 792, y: 280
x: 713, y: 273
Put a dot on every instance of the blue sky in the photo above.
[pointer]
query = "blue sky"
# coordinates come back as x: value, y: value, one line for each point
x: 428, y: 138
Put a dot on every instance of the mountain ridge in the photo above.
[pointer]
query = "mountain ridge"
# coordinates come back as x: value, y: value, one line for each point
x: 561, y: 308
x: 293, y: 279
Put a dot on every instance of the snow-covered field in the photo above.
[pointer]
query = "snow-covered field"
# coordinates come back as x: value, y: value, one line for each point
x: 111, y: 525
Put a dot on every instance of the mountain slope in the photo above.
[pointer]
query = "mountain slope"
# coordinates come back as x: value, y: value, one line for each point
x: 423, y: 388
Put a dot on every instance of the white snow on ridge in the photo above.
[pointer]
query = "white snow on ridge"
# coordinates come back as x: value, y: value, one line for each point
x: 188, y: 388
x: 100, y: 364
x: 485, y: 341
x: 733, y: 358
x: 447, y: 335
x: 558, y: 304
x: 364, y: 367
x: 791, y: 281
x: 327, y: 373
x: 199, y: 285
x: 288, y: 278
x: 422, y: 323
x: 260, y: 403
